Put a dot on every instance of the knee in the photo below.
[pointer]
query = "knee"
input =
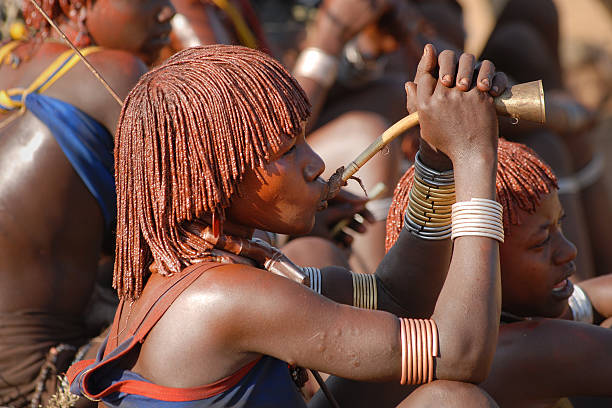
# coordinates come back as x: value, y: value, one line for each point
x: 449, y: 394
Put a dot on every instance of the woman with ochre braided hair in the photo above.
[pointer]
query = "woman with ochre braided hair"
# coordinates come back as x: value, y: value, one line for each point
x: 210, y: 146
x: 536, y: 262
x: 57, y: 187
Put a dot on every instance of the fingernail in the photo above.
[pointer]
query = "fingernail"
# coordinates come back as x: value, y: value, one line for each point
x: 447, y: 78
x: 463, y: 82
x: 485, y: 82
x: 495, y: 88
x: 425, y: 50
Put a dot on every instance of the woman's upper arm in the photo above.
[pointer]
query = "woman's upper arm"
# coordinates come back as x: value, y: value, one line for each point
x: 550, y: 358
x: 283, y: 319
x: 599, y: 291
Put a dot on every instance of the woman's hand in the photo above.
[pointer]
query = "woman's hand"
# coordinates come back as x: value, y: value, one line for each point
x: 340, y: 20
x: 456, y: 117
x: 341, y: 210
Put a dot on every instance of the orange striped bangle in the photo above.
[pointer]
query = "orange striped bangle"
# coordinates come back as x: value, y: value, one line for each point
x: 419, y: 338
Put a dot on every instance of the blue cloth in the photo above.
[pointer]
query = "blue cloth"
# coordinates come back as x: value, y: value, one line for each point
x: 85, y: 142
x: 266, y: 385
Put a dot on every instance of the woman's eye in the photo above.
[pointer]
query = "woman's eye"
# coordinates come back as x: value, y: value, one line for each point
x: 288, y: 152
x: 543, y: 243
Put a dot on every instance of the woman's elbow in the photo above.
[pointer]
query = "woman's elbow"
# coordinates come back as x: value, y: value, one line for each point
x: 472, y: 365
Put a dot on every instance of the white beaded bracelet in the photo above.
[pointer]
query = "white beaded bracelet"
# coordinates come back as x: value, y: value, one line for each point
x: 478, y: 217
x: 316, y: 64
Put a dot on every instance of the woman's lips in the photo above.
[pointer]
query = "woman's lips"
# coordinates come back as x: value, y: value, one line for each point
x: 563, y: 289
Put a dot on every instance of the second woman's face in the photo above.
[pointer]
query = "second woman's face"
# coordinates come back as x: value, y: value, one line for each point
x: 285, y: 194
x: 141, y: 27
x: 536, y: 262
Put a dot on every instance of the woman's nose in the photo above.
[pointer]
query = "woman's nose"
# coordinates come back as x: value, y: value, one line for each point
x: 566, y: 251
x: 314, y: 166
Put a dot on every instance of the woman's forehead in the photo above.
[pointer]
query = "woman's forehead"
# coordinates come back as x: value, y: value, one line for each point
x: 546, y: 213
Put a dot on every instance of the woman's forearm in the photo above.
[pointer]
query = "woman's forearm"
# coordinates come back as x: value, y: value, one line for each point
x: 550, y: 358
x: 468, y: 308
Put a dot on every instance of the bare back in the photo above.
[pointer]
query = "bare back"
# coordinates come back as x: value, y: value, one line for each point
x: 51, y: 226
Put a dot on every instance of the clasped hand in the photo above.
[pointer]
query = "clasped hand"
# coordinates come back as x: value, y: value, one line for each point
x: 456, y: 111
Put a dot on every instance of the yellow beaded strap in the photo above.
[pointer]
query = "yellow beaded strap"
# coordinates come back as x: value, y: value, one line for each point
x: 55, y: 71
x: 245, y: 35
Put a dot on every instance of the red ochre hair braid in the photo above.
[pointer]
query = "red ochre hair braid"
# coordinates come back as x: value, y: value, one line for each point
x: 56, y: 9
x: 187, y: 133
x: 522, y: 179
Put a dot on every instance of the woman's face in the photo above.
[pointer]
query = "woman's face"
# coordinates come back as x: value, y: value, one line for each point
x: 141, y: 27
x: 285, y: 194
x: 536, y: 262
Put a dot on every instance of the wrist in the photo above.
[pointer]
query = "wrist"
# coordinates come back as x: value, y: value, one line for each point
x: 475, y: 177
x: 434, y: 159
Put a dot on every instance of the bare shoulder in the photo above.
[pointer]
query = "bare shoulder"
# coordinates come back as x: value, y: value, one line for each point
x: 119, y: 68
x: 230, y: 294
x: 237, y: 286
x: 81, y: 88
x: 212, y: 316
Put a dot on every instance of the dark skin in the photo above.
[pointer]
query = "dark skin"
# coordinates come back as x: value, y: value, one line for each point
x: 541, y: 360
x: 526, y: 45
x: 429, y: 276
x: 361, y: 115
x: 557, y: 358
x: 350, y: 342
x: 537, y: 260
x: 52, y: 227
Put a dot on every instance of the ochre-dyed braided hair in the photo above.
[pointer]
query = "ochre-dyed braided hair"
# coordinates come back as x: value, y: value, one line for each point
x: 58, y: 10
x: 187, y: 133
x: 522, y: 179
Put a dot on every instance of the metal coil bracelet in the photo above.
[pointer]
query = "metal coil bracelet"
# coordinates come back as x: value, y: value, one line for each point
x: 431, y: 197
x: 419, y: 339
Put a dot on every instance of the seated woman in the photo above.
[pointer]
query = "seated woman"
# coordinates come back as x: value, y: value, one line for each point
x: 57, y: 184
x: 358, y: 113
x: 210, y: 146
x: 536, y: 262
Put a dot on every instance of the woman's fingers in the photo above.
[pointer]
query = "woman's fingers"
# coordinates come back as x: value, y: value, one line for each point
x: 465, y: 71
x: 485, y: 76
x: 500, y: 83
x: 426, y: 82
x: 448, y: 67
x: 411, y: 95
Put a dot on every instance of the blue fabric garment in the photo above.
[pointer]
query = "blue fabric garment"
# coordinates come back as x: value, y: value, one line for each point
x: 85, y: 142
x: 267, y: 385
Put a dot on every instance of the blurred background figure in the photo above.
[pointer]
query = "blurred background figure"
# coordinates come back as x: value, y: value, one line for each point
x: 11, y: 21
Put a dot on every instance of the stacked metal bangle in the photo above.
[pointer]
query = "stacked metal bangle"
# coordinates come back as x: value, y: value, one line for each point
x: 365, y: 293
x: 314, y: 274
x: 430, y: 202
x: 318, y: 65
x: 581, y: 306
x: 419, y: 340
x: 478, y: 217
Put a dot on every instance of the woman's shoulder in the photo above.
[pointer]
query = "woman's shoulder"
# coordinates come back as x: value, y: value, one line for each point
x: 76, y: 85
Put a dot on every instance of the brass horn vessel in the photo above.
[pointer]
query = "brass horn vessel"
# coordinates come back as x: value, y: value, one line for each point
x: 522, y: 101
